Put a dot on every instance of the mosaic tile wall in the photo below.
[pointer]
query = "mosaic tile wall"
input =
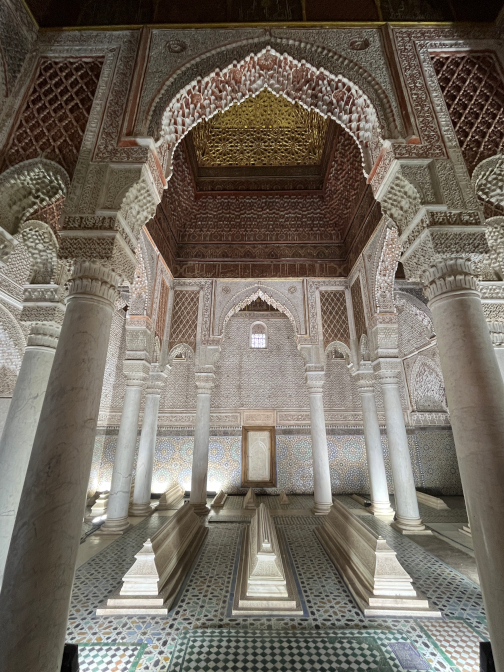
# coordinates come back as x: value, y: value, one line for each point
x: 432, y: 455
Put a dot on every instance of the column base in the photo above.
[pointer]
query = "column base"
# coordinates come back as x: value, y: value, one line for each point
x: 140, y: 510
x: 321, y: 509
x: 382, y: 510
x: 466, y: 530
x: 201, y: 509
x: 114, y: 526
x: 410, y: 526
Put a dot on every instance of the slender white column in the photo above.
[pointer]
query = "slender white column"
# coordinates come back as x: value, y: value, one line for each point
x: 40, y: 566
x: 204, y: 383
x: 475, y: 394
x: 322, y: 491
x: 21, y: 424
x: 380, y: 502
x: 120, y: 487
x: 499, y: 353
x: 145, y: 462
x: 407, y: 519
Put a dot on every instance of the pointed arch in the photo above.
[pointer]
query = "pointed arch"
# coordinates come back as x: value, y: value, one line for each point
x: 332, y: 96
x: 268, y: 294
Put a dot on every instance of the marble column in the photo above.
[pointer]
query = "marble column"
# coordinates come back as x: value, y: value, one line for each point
x: 407, y: 518
x: 21, y: 422
x: 145, y: 463
x: 380, y: 502
x: 120, y: 488
x: 198, y: 499
x: 322, y: 490
x: 475, y: 393
x: 40, y: 566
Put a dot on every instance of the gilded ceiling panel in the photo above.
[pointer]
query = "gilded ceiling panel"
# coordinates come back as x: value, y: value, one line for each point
x: 266, y: 130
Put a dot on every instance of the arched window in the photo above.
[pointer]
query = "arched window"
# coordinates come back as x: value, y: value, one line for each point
x: 258, y: 335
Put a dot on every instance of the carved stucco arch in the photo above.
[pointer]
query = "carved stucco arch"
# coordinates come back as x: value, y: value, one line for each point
x: 181, y: 348
x: 425, y: 362
x: 11, y: 336
x: 27, y: 187
x: 388, y: 253
x: 272, y: 296
x: 322, y: 59
x: 415, y: 307
x: 338, y: 345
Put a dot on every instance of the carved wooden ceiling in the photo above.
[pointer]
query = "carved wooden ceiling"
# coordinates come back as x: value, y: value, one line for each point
x: 249, y: 226
x: 263, y: 144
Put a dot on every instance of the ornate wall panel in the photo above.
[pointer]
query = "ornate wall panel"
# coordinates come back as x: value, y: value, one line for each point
x: 184, y: 320
x: 358, y: 308
x: 54, y: 118
x: 17, y: 34
x: 12, y: 345
x: 162, y: 308
x: 473, y: 89
x: 334, y: 317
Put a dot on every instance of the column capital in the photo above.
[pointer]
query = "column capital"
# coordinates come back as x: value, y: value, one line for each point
x: 136, y: 372
x: 314, y: 378
x: 93, y: 280
x: 365, y: 379
x: 388, y: 371
x: 157, y: 380
x: 205, y: 382
x: 449, y: 275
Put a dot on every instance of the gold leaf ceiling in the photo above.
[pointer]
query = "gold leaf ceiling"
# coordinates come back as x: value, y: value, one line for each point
x: 266, y: 130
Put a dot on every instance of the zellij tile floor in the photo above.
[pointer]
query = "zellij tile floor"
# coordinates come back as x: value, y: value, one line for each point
x: 199, y: 633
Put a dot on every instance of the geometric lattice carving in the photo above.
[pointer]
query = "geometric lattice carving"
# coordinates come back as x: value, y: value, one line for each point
x: 55, y: 115
x: 358, y: 309
x: 162, y: 308
x: 474, y: 94
x: 184, y: 322
x: 334, y: 317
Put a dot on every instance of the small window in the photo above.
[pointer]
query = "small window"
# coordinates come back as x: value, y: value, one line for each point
x: 258, y: 335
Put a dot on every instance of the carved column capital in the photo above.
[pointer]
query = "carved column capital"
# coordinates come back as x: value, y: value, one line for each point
x: 388, y: 371
x: 447, y: 276
x: 365, y: 378
x: 205, y: 382
x: 43, y: 335
x: 157, y: 380
x: 93, y: 280
x: 314, y: 378
x: 136, y: 372
x: 496, y: 333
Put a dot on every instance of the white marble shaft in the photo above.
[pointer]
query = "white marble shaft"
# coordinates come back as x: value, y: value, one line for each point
x: 429, y: 500
x: 250, y: 501
x: 152, y: 583
x: 40, y: 566
x: 20, y: 427
x: 219, y: 500
x: 266, y: 574
x: 120, y: 487
x: 172, y: 498
x: 407, y: 519
x: 380, y: 502
x: 322, y: 492
x: 475, y: 393
x: 145, y: 462
x: 204, y: 382
x: 370, y: 568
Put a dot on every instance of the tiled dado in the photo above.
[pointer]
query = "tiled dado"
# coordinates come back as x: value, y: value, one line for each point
x: 202, y: 606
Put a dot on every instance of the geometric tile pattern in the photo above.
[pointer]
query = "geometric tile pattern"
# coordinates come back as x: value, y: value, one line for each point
x: 110, y: 657
x: 432, y: 455
x: 358, y: 309
x: 296, y: 652
x: 55, y: 115
x: 408, y: 656
x: 203, y: 602
x: 458, y: 641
